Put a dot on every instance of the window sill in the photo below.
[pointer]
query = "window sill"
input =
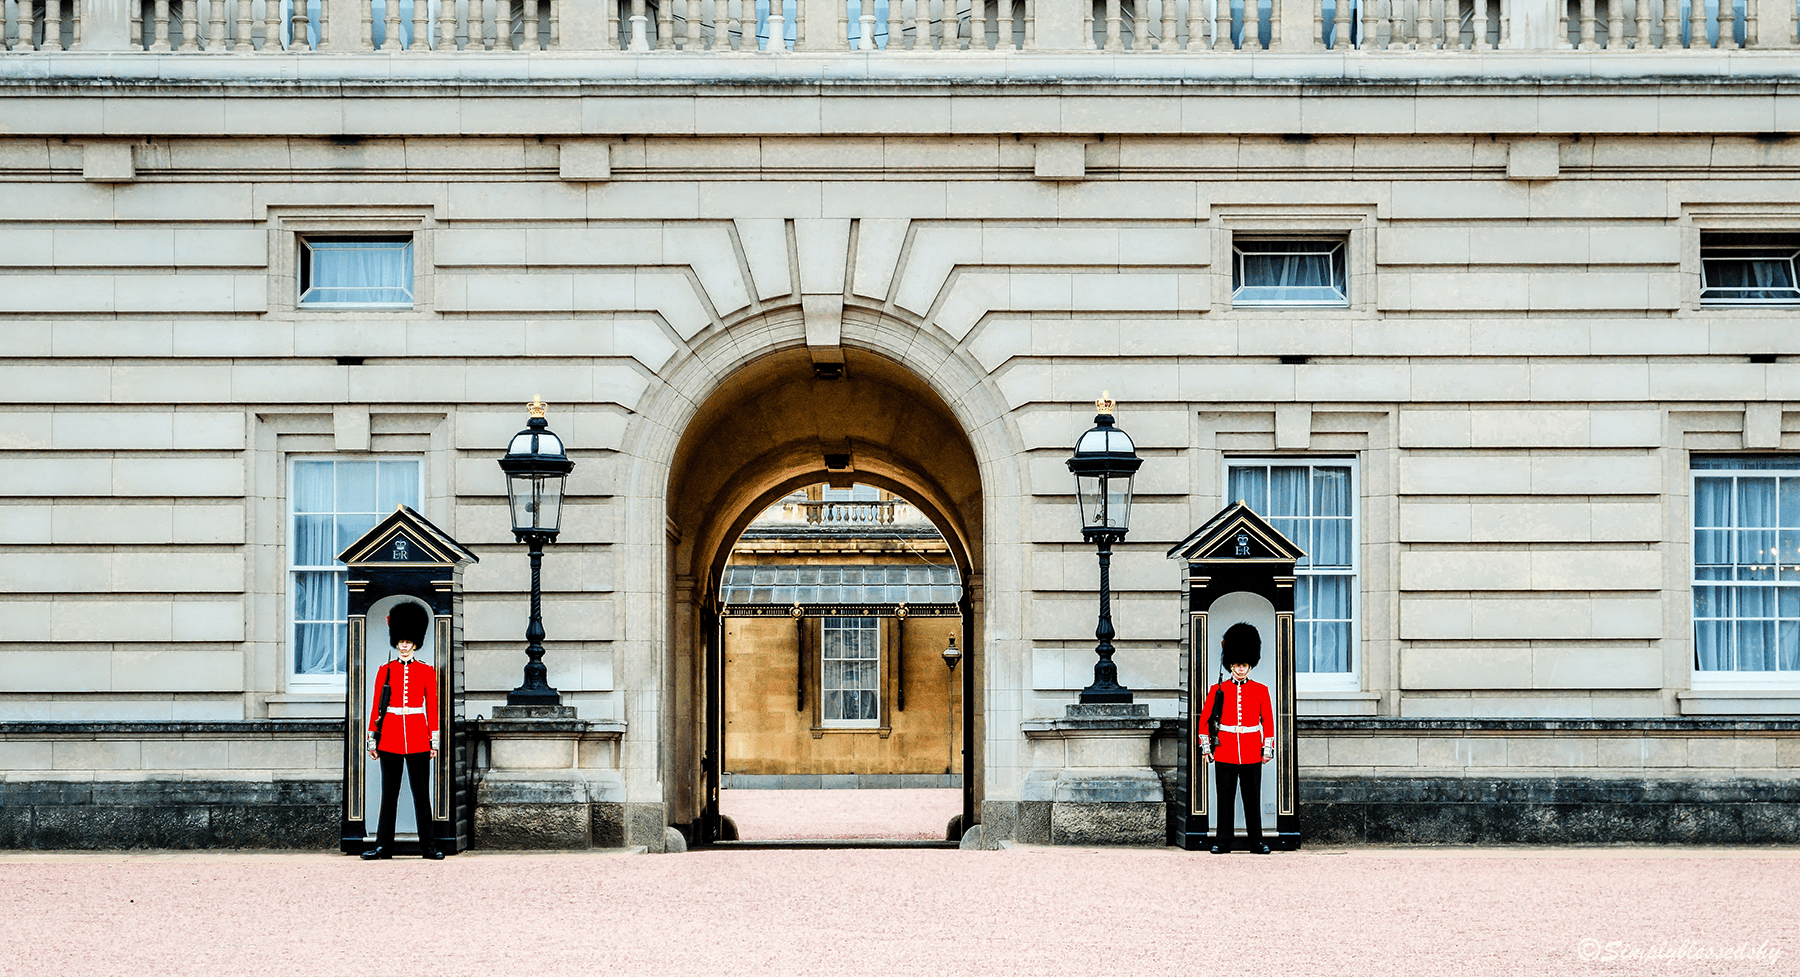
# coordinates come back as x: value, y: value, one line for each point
x: 819, y: 732
x: 322, y: 703
x: 354, y: 306
x: 1324, y: 702
x: 1761, y: 701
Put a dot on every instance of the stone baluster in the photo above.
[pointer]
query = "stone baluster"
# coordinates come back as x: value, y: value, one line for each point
x: 421, y: 27
x: 159, y: 22
x: 777, y: 27
x: 1221, y: 24
x: 1318, y: 25
x: 640, y: 27
x: 1641, y: 40
x: 1396, y: 25
x: 390, y: 39
x: 1671, y: 23
x: 1750, y: 25
x: 978, y: 24
x: 1615, y: 24
x: 215, y: 35
x: 533, y: 12
x: 921, y: 25
x: 271, y: 18
x: 1030, y: 24
x: 553, y: 32
x: 665, y: 25
x: 1588, y: 41
x: 242, y: 38
x: 1697, y: 26
x: 1506, y: 14
x: 446, y: 26
x: 187, y: 14
x: 1003, y: 26
x: 503, y: 24
x: 301, y: 28
x: 52, y: 24
x: 1371, y: 38
x: 1252, y: 25
x: 734, y: 24
x: 1140, y: 25
x: 477, y: 25
x: 1196, y: 26
x: 1170, y: 40
x: 1727, y: 25
x: 1114, y: 27
x: 949, y: 27
x: 1274, y: 24
x: 1480, y: 24
x: 696, y: 18
x: 366, y: 13
x: 1424, y: 22
x: 721, y: 39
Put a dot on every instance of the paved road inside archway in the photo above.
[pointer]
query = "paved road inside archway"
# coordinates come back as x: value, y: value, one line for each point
x: 917, y: 814
x: 1026, y: 911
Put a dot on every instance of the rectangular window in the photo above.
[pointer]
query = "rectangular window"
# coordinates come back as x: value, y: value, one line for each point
x: 356, y: 271
x: 1290, y: 271
x: 330, y: 504
x: 1746, y: 570
x: 850, y: 671
x: 1313, y: 503
x: 1749, y: 269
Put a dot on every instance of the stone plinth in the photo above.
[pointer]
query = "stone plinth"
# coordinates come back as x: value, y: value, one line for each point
x: 553, y: 782
x: 1091, y: 781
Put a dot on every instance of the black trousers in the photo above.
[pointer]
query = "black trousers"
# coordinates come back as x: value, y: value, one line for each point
x: 1230, y: 777
x: 418, y: 771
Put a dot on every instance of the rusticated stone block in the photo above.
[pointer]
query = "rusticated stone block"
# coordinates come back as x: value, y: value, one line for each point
x: 644, y: 825
x: 999, y: 821
x: 1074, y: 823
x: 532, y: 827
x: 606, y: 825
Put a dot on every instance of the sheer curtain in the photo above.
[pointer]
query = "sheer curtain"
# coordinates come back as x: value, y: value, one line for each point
x: 333, y: 504
x: 1746, y: 568
x: 1281, y: 272
x: 852, y: 670
x: 1751, y: 278
x: 1313, y: 506
x: 359, y: 272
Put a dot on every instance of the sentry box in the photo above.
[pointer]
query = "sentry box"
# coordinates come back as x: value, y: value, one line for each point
x: 1239, y: 570
x: 406, y: 558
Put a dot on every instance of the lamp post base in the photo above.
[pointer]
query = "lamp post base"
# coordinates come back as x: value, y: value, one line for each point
x: 534, y: 697
x: 1096, y: 694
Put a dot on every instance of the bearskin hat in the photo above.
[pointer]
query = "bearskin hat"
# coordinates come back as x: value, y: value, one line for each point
x: 406, y: 622
x: 1242, y: 643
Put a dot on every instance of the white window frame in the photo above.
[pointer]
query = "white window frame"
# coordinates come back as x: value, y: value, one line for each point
x: 825, y: 720
x: 1305, y: 682
x: 1734, y: 679
x: 306, y: 244
x: 1771, y: 251
x: 289, y: 646
x: 1339, y: 243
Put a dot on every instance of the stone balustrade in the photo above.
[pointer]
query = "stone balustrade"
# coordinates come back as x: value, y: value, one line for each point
x: 893, y: 27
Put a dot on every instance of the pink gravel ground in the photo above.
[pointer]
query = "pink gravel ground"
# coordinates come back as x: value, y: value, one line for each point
x: 785, y: 814
x: 1025, y: 911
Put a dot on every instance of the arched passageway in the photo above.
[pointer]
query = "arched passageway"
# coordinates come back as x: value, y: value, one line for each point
x: 770, y: 427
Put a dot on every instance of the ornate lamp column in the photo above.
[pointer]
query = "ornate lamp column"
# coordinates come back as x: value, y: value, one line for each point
x: 536, y: 471
x: 1104, y: 465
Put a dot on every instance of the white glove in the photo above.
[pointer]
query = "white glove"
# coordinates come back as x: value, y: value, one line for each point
x: 1268, y: 752
x: 434, y: 739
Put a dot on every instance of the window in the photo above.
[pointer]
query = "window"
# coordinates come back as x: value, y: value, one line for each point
x: 1746, y: 569
x: 1288, y: 271
x: 850, y: 671
x: 1313, y: 503
x: 331, y: 504
x: 356, y: 271
x: 1748, y: 269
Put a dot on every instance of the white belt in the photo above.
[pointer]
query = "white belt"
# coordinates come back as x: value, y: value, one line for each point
x: 1237, y: 729
x: 406, y: 711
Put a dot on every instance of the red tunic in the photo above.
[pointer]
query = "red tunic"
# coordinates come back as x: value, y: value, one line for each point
x: 1247, y: 708
x: 414, y: 687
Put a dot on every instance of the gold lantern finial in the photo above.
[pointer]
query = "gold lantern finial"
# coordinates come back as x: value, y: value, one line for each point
x: 537, y: 407
x: 1105, y: 404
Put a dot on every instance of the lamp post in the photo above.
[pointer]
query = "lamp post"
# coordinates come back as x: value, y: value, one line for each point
x: 1104, y: 464
x: 536, y: 469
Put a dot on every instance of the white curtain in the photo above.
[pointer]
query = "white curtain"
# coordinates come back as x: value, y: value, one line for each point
x: 1746, y: 529
x: 1289, y: 271
x: 359, y: 271
x: 852, y: 668
x: 1311, y: 505
x: 1751, y: 278
x: 334, y: 503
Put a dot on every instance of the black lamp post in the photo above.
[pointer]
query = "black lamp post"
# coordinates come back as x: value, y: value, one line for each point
x: 1104, y: 463
x: 536, y: 469
x: 951, y: 655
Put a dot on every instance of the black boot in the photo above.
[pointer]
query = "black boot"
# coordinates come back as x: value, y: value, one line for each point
x: 1260, y: 849
x: 430, y: 853
x: 379, y: 851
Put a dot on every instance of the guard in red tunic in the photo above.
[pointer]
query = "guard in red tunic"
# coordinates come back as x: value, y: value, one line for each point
x: 1239, y: 737
x: 405, y: 711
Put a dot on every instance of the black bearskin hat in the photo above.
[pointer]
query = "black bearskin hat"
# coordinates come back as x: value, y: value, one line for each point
x: 406, y: 622
x: 1242, y: 643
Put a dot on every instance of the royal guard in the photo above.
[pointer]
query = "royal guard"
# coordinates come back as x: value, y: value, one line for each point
x: 1239, y: 737
x: 403, y: 729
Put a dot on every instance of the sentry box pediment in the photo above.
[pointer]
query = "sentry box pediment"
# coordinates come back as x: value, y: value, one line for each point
x: 1240, y: 569
x: 405, y: 558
